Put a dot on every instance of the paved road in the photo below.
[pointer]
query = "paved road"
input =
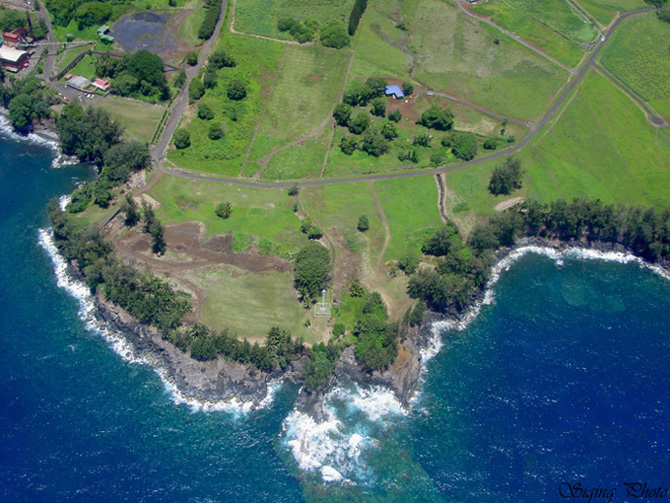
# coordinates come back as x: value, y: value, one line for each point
x: 515, y: 37
x: 496, y: 155
x: 181, y: 101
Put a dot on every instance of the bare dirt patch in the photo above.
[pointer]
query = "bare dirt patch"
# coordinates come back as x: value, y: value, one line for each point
x: 508, y: 203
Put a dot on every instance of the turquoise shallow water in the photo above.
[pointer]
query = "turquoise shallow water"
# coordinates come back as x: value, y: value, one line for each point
x: 563, y: 380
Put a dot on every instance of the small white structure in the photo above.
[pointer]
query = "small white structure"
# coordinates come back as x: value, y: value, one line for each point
x: 323, y: 308
x: 79, y: 83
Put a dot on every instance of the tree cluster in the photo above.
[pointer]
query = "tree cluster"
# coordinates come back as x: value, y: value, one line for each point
x: 137, y: 74
x: 313, y: 270
x: 436, y: 118
x: 87, y: 134
x: 11, y: 19
x: 323, y: 359
x: 92, y: 13
x: 331, y: 34
x: 507, y: 177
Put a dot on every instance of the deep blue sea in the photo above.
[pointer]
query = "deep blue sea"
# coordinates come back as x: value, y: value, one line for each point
x: 563, y: 383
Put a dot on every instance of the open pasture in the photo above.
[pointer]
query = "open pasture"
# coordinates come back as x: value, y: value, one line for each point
x: 139, y: 119
x: 305, y: 94
x: 452, y: 53
x: 257, y: 63
x: 260, y: 16
x: 638, y: 55
x: 553, y: 25
x: 604, y: 11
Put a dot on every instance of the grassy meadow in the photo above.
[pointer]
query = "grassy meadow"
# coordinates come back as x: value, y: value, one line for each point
x: 257, y: 64
x: 552, y: 25
x: 260, y: 17
x: 637, y: 55
x: 306, y: 92
x: 139, y: 119
x: 450, y: 52
x: 604, y: 11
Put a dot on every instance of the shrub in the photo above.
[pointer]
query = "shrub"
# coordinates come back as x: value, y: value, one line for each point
x: 294, y: 190
x: 205, y: 112
x: 436, y: 118
x: 237, y: 90
x: 196, y: 90
x: 192, y: 58
x: 348, y: 145
x: 506, y: 177
x: 182, y: 138
x: 395, y: 116
x: 363, y: 223
x: 224, y: 210
x: 464, y: 146
x: 216, y: 132
x: 334, y: 34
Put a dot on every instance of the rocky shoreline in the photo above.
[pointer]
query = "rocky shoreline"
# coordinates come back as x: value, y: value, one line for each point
x: 222, y: 380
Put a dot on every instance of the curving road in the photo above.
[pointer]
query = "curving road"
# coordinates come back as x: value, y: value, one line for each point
x: 386, y: 176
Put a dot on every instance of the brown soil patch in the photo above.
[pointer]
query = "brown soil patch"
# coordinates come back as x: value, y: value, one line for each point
x: 187, y: 255
x: 508, y: 203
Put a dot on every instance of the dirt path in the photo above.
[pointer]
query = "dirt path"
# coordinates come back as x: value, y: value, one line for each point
x: 502, y: 206
x: 441, y: 198
x: 387, y: 230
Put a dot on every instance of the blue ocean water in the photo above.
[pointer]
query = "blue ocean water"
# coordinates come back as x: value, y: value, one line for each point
x: 563, y: 380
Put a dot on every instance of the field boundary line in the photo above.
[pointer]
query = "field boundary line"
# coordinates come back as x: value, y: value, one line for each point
x: 232, y: 29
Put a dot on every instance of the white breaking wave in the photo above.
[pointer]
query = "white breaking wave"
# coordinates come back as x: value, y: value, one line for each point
x: 123, y: 348
x: 334, y: 446
x: 59, y: 159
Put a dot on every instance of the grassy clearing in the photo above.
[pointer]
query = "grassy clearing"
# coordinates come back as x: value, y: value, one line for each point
x: 85, y: 68
x: 638, y: 55
x: 450, y: 52
x: 260, y: 16
x: 139, y: 119
x: 257, y: 64
x: 249, y: 304
x: 604, y: 11
x: 306, y: 92
x: 551, y: 24
x: 265, y: 215
x: 68, y: 56
x: 300, y: 161
x: 411, y: 208
x: 602, y: 147
x: 188, y: 29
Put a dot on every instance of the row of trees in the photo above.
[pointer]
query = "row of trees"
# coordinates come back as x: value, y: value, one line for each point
x: 212, y: 14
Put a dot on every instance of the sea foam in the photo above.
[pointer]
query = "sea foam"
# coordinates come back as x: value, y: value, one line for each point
x: 335, y: 447
x: 124, y: 348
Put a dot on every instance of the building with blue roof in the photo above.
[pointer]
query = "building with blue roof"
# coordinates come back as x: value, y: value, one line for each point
x: 394, y: 90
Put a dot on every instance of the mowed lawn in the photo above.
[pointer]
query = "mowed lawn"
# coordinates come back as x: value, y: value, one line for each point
x: 309, y: 84
x: 139, y: 119
x: 602, y: 147
x: 260, y: 17
x: 638, y: 54
x: 265, y: 214
x: 257, y: 64
x: 250, y: 304
x: 411, y: 209
x: 447, y: 51
x: 552, y: 25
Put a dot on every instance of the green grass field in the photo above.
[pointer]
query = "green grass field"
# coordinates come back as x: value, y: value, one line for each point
x: 637, y: 55
x: 411, y: 209
x: 299, y: 162
x: 306, y: 92
x: 249, y: 304
x: 85, y: 68
x: 257, y: 64
x: 550, y: 24
x: 450, y: 52
x: 604, y: 11
x: 139, y: 119
x: 266, y: 215
x: 188, y: 29
x: 260, y: 16
x: 602, y: 147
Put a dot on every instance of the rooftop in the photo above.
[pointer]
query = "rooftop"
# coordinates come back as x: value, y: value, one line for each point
x: 394, y: 90
x: 11, y: 54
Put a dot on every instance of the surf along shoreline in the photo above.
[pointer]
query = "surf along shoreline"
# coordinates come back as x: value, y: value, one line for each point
x: 223, y: 384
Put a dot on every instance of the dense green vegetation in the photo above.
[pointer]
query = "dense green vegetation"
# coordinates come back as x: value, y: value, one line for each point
x: 28, y: 100
x: 463, y: 268
x: 11, y: 19
x: 138, y: 75
x: 212, y: 15
x: 313, y: 271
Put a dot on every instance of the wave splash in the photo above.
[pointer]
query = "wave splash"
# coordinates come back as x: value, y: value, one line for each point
x: 123, y: 348
x: 60, y: 159
x: 336, y: 447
